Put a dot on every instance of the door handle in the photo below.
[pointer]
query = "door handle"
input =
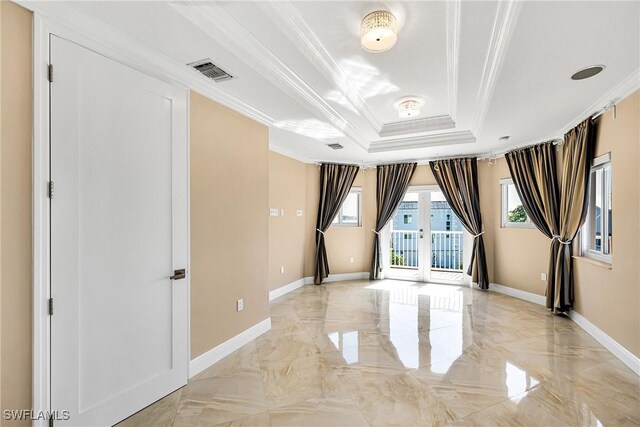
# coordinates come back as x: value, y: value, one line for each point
x: 179, y: 274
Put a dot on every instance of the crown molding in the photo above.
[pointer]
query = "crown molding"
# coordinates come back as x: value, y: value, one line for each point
x: 301, y: 35
x: 506, y: 16
x: 423, y: 141
x: 426, y: 124
x: 453, y: 8
x: 215, y: 21
x: 288, y: 153
x: 142, y: 58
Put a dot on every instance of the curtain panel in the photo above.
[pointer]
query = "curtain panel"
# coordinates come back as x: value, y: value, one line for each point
x: 458, y: 180
x: 577, y: 153
x: 335, y: 183
x: 558, y: 214
x: 534, y: 174
x: 392, y: 184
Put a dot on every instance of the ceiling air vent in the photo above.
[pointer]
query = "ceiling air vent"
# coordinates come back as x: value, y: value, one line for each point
x: 211, y: 70
x: 335, y: 146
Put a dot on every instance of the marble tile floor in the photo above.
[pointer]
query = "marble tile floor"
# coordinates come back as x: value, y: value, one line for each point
x: 393, y: 353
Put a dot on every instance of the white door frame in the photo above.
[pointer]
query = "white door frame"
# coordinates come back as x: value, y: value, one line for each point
x: 43, y: 27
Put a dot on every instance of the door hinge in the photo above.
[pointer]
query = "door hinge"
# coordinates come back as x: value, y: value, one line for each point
x: 50, y: 190
x: 50, y: 72
x: 50, y: 306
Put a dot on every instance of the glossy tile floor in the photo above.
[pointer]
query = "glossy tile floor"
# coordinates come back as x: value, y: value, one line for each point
x: 400, y: 353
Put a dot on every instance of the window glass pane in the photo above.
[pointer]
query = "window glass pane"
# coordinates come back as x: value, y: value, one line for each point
x: 515, y: 210
x: 335, y: 220
x: 598, y: 217
x: 349, y: 210
x: 608, y: 204
x: 408, y: 219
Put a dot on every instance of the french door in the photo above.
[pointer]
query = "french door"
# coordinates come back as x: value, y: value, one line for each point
x: 426, y: 240
x: 119, y: 224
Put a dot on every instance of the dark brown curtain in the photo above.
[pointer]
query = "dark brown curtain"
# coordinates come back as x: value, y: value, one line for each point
x: 392, y: 185
x: 534, y: 174
x: 577, y: 154
x: 458, y: 180
x: 335, y: 183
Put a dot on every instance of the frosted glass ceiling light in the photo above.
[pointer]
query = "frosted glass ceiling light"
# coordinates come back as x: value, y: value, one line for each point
x: 378, y: 31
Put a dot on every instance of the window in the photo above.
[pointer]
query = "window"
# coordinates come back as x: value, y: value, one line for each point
x: 349, y: 214
x: 408, y: 219
x: 513, y: 214
x: 597, y: 232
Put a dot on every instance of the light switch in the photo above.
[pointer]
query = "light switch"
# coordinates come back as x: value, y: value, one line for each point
x: 282, y: 269
x: 299, y: 212
x: 543, y: 277
x: 274, y: 212
x: 281, y: 212
x: 350, y: 260
x: 240, y: 305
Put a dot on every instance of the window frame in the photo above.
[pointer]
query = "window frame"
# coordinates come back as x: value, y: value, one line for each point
x: 600, y: 162
x: 504, y: 184
x: 339, y: 223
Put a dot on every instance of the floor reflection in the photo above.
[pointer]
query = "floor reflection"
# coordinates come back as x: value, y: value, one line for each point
x: 403, y: 353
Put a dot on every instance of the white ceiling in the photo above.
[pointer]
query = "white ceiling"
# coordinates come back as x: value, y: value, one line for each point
x: 485, y: 69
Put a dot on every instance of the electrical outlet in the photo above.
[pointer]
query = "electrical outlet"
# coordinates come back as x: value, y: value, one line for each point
x: 282, y: 269
x: 350, y: 260
x: 240, y: 305
x: 274, y: 211
x: 543, y: 277
x: 299, y: 212
x: 281, y: 212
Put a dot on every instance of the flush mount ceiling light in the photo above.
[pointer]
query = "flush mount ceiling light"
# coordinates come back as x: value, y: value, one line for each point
x: 378, y: 31
x: 409, y: 106
x: 587, y: 72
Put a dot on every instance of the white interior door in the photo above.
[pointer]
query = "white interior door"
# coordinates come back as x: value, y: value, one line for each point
x: 119, y: 330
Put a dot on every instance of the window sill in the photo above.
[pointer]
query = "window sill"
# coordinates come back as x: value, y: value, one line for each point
x: 595, y: 262
x: 526, y: 226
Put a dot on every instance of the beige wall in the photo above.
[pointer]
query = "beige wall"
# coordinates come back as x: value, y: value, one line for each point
x: 287, y: 190
x: 520, y: 255
x: 15, y: 205
x: 342, y: 242
x: 229, y: 223
x: 608, y: 298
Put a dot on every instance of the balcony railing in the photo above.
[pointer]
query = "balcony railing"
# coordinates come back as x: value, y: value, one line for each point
x: 446, y: 250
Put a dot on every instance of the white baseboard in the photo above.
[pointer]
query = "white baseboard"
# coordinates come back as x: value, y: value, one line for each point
x: 344, y: 277
x: 277, y: 293
x: 625, y: 356
x: 283, y: 290
x: 217, y: 353
x: 517, y: 293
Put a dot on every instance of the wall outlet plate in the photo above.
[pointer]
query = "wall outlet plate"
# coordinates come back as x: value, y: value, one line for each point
x: 240, y: 304
x: 274, y: 212
x: 281, y: 212
x: 543, y: 277
x: 350, y: 260
x: 299, y: 212
x: 282, y: 269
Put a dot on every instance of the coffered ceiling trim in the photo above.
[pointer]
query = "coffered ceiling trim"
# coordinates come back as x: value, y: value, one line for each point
x: 423, y: 141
